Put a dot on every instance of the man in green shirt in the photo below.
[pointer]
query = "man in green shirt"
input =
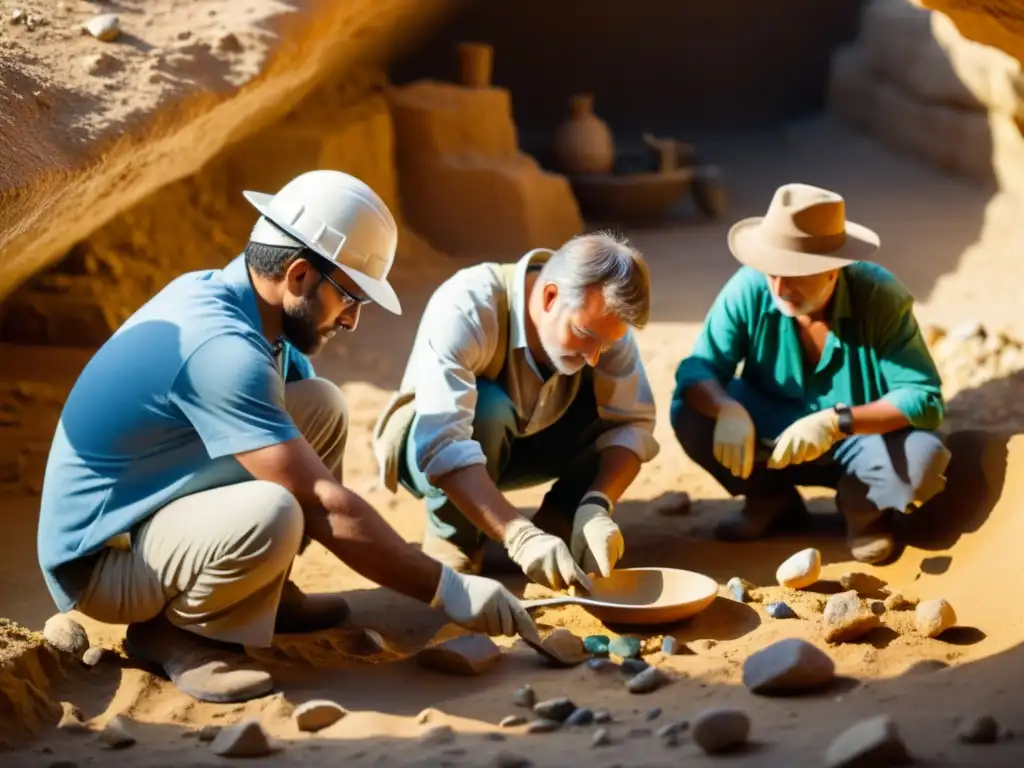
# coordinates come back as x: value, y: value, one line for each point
x: 837, y: 387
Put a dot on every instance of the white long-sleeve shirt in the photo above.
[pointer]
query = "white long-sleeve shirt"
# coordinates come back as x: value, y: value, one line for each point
x: 456, y: 339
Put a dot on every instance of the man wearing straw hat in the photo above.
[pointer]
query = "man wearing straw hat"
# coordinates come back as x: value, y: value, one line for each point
x: 837, y: 386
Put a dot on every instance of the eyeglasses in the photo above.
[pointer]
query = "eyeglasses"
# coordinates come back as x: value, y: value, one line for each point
x: 344, y: 294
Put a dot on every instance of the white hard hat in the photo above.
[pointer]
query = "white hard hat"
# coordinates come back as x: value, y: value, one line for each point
x: 338, y: 217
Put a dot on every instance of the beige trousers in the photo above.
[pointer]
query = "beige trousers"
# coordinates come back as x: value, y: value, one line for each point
x: 214, y: 562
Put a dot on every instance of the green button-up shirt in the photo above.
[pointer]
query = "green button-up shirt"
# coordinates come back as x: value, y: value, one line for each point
x: 874, y: 351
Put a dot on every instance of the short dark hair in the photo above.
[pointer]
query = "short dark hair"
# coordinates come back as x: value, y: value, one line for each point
x: 271, y: 260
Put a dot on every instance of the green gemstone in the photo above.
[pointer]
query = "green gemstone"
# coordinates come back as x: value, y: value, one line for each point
x: 597, y: 644
x: 626, y: 647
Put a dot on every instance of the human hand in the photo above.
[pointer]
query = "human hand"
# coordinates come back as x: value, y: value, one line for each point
x: 482, y: 605
x: 805, y: 439
x: 596, y: 542
x: 734, y: 439
x: 542, y: 556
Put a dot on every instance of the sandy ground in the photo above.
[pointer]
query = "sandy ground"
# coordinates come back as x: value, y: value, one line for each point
x: 926, y: 221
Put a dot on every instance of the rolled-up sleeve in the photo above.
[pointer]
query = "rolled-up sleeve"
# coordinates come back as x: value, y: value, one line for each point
x: 624, y: 399
x: 457, y: 338
x: 912, y: 381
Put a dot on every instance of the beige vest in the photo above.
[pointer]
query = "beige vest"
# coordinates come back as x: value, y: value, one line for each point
x: 393, y: 423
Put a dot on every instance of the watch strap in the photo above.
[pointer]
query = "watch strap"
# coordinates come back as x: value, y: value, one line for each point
x: 845, y: 419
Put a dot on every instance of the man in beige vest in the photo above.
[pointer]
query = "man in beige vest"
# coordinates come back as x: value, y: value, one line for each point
x: 521, y: 374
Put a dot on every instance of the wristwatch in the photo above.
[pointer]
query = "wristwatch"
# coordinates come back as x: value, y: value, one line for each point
x: 845, y: 416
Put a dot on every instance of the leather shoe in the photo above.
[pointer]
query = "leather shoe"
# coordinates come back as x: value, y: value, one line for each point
x: 299, y: 613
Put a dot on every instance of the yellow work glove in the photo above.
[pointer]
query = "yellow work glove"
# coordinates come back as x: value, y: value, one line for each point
x: 806, y: 439
x: 596, y: 541
x: 734, y: 439
x: 542, y: 556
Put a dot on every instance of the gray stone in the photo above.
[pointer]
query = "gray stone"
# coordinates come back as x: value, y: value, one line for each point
x: 780, y: 610
x: 720, y: 729
x: 602, y: 716
x: 669, y: 645
x: 871, y: 743
x: 67, y: 635
x: 524, y: 697
x: 633, y: 667
x: 651, y: 679
x: 787, y: 666
x: 581, y: 716
x: 982, y: 729
x: 672, y: 729
x: 245, y: 739
x: 317, y: 714
x: 652, y: 714
x: 601, y: 738
x: 463, y: 655
x: 740, y: 589
x: 554, y: 709
x: 543, y: 725
x: 847, y: 618
x: 601, y: 664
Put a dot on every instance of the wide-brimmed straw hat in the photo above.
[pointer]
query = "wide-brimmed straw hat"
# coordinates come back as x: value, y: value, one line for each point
x: 804, y: 232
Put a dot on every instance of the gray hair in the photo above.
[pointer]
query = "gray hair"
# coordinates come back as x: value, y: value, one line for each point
x: 605, y: 260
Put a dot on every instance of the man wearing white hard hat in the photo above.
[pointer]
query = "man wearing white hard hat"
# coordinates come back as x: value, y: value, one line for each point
x: 837, y: 389
x: 198, y: 452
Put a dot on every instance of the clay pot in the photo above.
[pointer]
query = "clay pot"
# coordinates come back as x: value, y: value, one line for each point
x: 476, y: 62
x: 583, y: 143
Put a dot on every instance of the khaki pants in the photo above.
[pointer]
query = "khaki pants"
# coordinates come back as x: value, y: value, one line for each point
x: 215, y: 562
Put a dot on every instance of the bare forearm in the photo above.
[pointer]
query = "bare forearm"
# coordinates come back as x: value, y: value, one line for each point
x: 355, y: 533
x: 476, y: 496
x: 878, y: 418
x: 617, y: 468
x: 707, y: 397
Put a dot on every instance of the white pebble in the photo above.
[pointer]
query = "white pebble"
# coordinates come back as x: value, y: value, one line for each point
x: 67, y: 635
x: 933, y: 617
x: 105, y: 27
x: 800, y: 570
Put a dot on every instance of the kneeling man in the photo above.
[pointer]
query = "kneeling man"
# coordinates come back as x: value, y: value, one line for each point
x: 523, y: 373
x: 837, y: 389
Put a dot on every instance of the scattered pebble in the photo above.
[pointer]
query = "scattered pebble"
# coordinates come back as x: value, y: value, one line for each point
x: 565, y: 646
x: 871, y: 743
x: 651, y: 679
x: 105, y: 27
x: 317, y: 714
x: 900, y: 602
x: 740, y: 589
x: 672, y: 729
x: 933, y: 617
x: 65, y: 634
x: 554, y: 709
x: 601, y: 664
x: 117, y: 734
x: 18, y: 16
x: 669, y: 645
x: 601, y: 738
x: 780, y: 610
x: 596, y: 644
x: 627, y: 647
x: 720, y: 729
x: 524, y: 697
x: 209, y: 732
x: 581, y: 716
x: 800, y: 570
x: 677, y: 503
x: 846, y: 618
x: 652, y: 714
x: 511, y: 721
x: 787, y: 666
x: 543, y: 725
x: 245, y: 739
x: 978, y: 730
x: 437, y: 734
x: 633, y: 667
x: 602, y: 716
x: 464, y: 655
x: 877, y: 607
x: 93, y: 656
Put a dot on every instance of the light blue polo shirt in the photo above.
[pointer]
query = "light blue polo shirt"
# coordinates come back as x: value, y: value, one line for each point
x: 158, y: 412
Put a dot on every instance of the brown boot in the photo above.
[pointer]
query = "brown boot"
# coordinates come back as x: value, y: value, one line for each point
x: 763, y: 515
x: 299, y: 613
x: 204, y: 669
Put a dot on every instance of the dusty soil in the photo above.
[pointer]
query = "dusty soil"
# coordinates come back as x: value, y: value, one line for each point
x: 926, y: 221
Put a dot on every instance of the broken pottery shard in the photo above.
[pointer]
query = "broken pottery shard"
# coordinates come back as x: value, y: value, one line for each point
x: 317, y: 714
x: 788, y: 666
x: 720, y: 729
x: 245, y: 739
x: 105, y: 27
x: 117, y: 734
x: 933, y: 617
x: 800, y: 570
x: 846, y: 618
x: 464, y: 655
x: 566, y: 647
x: 650, y: 679
x: 871, y: 743
x: 67, y: 635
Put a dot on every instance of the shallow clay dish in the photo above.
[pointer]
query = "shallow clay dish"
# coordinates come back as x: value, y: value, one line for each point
x: 642, y: 596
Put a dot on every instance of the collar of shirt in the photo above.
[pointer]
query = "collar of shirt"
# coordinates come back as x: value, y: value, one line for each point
x: 841, y: 308
x: 517, y: 303
x: 236, y: 276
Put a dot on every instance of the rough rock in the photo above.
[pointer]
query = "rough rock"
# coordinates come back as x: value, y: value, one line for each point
x: 554, y: 709
x: 740, y: 589
x: 720, y: 729
x: 982, y: 729
x: 653, y: 713
x: 105, y: 27
x: 543, y: 725
x: 317, y: 714
x: 437, y: 734
x: 565, y: 646
x: 933, y: 617
x: 787, y: 666
x: 780, y: 610
x: 463, y: 655
x: 67, y: 635
x: 245, y: 739
x: 651, y: 679
x: 524, y: 696
x: 581, y: 716
x: 800, y: 570
x: 93, y: 656
x: 117, y: 733
x: 871, y: 743
x: 847, y: 618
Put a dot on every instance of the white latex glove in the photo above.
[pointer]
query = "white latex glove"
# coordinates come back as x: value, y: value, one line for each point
x: 734, y: 439
x: 482, y: 605
x: 596, y: 542
x: 542, y: 556
x: 806, y: 439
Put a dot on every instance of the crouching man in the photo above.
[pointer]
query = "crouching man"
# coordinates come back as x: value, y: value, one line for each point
x: 520, y: 374
x: 197, y: 452
x: 837, y: 389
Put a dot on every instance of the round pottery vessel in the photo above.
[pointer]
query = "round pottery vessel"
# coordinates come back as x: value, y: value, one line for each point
x: 583, y: 143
